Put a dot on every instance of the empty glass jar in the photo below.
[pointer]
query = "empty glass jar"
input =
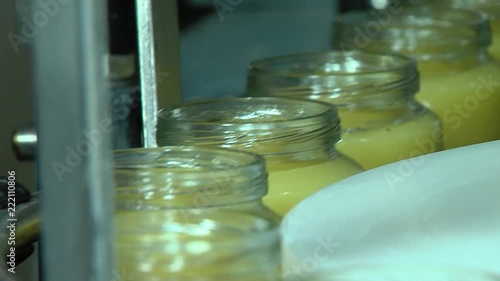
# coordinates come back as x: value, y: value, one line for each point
x: 296, y: 137
x: 193, y: 213
x: 458, y: 78
x: 374, y: 93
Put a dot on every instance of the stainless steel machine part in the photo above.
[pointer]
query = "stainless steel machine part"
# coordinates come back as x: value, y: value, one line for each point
x: 159, y: 65
x: 24, y: 141
x: 72, y: 95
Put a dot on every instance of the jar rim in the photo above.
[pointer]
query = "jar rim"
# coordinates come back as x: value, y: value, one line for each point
x: 350, y: 73
x: 475, y: 18
x: 456, y: 26
x: 320, y: 111
x: 482, y: 5
x: 253, y: 123
x: 180, y: 177
x: 402, y: 62
x: 245, y: 159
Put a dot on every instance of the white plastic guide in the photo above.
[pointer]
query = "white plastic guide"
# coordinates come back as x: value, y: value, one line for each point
x: 442, y: 209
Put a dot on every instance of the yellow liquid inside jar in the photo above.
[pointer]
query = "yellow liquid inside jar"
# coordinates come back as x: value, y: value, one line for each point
x: 289, y: 184
x: 393, y: 138
x: 467, y: 101
x: 186, y: 245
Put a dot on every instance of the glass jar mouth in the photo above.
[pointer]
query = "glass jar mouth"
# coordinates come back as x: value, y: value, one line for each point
x: 343, y: 73
x: 251, y: 112
x: 186, y: 159
x: 269, y: 126
x: 420, y: 31
x: 489, y: 7
x: 342, y: 63
x: 187, y: 177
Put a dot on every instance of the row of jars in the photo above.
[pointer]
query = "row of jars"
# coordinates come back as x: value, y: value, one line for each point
x: 207, y: 205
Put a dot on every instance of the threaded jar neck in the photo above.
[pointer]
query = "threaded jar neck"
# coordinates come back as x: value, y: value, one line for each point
x: 187, y: 177
x: 427, y: 32
x: 489, y: 7
x: 342, y: 77
x: 271, y: 127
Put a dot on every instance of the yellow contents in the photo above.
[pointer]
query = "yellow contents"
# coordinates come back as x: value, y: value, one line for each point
x: 288, y: 186
x: 466, y: 100
x: 395, y: 137
x: 170, y: 245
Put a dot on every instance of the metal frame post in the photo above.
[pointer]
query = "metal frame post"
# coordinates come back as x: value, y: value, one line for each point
x: 70, y: 56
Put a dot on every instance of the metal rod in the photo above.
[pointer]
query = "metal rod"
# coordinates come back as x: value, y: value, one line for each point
x: 159, y: 63
x: 74, y: 142
x: 147, y: 71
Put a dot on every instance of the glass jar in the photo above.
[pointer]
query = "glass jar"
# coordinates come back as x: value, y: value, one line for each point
x: 379, y: 272
x: 208, y: 245
x: 191, y: 178
x: 458, y: 77
x: 490, y: 7
x: 297, y: 138
x: 193, y: 213
x: 374, y: 93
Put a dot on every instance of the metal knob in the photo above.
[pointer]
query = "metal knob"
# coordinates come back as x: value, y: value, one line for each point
x: 24, y: 143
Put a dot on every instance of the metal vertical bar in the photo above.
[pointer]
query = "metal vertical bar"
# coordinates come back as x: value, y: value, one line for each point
x: 147, y: 71
x: 159, y: 65
x: 74, y: 141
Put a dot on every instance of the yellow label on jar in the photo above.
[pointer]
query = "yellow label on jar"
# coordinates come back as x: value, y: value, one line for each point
x: 287, y: 187
x: 467, y: 102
